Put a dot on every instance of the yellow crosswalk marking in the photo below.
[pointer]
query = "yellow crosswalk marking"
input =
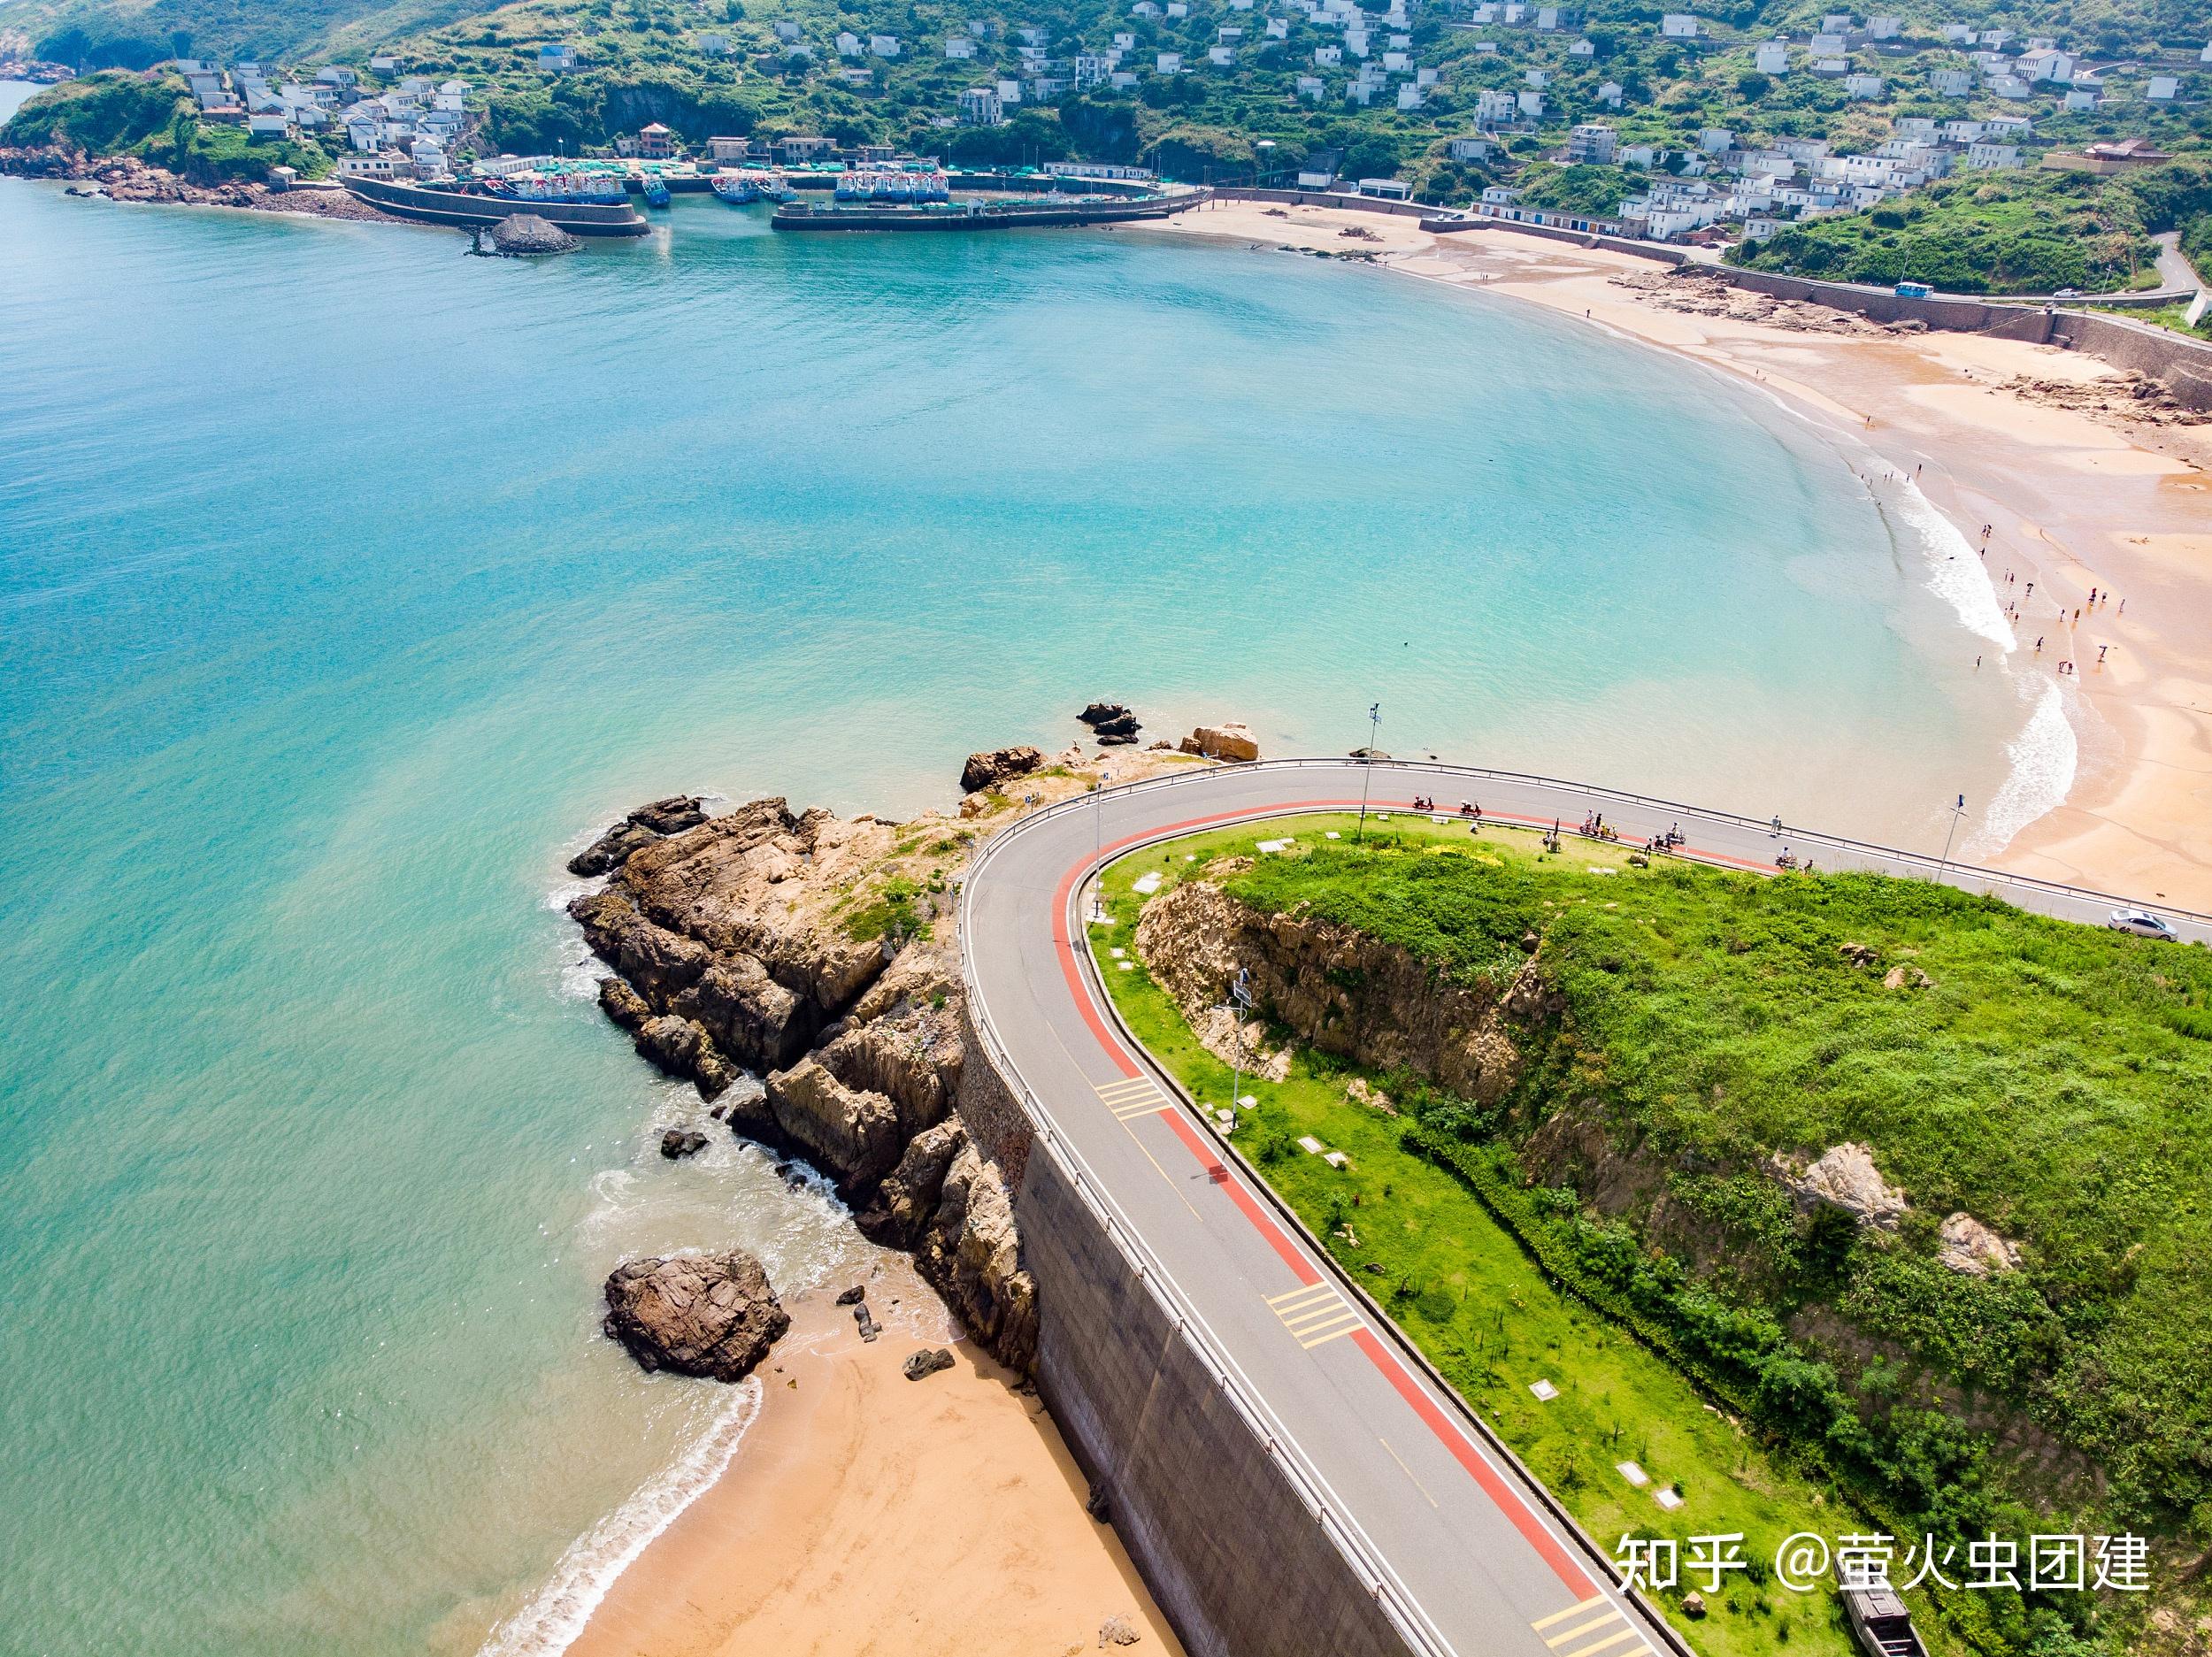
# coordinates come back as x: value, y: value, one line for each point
x: 1608, y: 1616
x: 1591, y: 1649
x: 1315, y: 1313
x: 1574, y: 1610
x: 1133, y: 1096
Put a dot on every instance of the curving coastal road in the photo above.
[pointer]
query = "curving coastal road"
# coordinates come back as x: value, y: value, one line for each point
x: 1469, y: 1553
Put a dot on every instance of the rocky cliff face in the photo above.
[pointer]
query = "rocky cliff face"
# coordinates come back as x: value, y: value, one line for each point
x: 1343, y: 991
x: 744, y: 942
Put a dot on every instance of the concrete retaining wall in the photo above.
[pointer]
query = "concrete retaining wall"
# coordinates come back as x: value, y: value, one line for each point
x: 1224, y: 1542
x: 2182, y: 365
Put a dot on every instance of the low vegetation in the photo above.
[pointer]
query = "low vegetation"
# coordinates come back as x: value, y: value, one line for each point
x: 153, y: 118
x: 2004, y: 232
x: 2046, y: 1079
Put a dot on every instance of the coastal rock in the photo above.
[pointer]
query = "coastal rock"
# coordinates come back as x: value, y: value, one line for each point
x: 1119, y: 727
x: 853, y: 1296
x: 705, y: 1314
x: 972, y: 1255
x: 911, y: 1063
x: 852, y: 1135
x: 1101, y: 713
x: 926, y: 1362
x: 682, y: 1048
x: 652, y: 821
x: 1969, y: 1247
x: 678, y: 1143
x: 1223, y: 741
x: 909, y: 1194
x: 985, y: 771
x: 1844, y: 1176
x: 521, y: 234
x: 1118, y: 1630
x: 623, y: 1004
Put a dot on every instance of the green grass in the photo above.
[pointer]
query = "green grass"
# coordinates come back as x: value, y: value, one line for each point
x: 2050, y: 1082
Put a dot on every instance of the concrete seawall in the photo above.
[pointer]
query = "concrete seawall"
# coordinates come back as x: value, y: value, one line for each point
x: 1225, y: 1541
x: 1217, y: 1526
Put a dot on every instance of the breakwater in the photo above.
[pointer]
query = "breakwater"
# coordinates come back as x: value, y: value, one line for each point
x: 465, y: 211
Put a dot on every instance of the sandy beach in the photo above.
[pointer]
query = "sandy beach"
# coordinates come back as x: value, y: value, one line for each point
x: 865, y: 1513
x: 2075, y: 499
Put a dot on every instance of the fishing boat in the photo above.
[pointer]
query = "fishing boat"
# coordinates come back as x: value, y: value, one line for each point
x: 737, y: 188
x: 656, y: 192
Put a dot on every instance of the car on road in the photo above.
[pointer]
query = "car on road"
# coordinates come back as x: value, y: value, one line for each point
x: 2143, y: 923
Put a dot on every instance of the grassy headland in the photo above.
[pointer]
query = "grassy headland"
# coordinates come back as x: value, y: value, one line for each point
x: 2047, y: 1080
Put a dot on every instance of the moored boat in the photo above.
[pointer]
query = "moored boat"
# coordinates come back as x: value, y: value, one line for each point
x: 737, y: 188
x: 656, y: 192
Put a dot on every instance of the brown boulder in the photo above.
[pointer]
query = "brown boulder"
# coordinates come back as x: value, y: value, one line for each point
x: 985, y: 772
x: 1223, y: 741
x: 852, y: 1135
x: 706, y: 1315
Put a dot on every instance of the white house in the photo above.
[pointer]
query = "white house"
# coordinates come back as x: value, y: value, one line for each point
x: 1989, y: 155
x: 1610, y: 94
x: 849, y: 44
x: 715, y: 45
x: 1222, y: 56
x: 269, y: 124
x: 979, y: 107
x: 1532, y: 105
x: 1862, y: 86
x: 1277, y: 28
x: 2205, y: 57
x: 1546, y: 18
x: 1311, y: 87
x: 1536, y: 78
x: 1884, y: 29
x: 1593, y: 143
x: 1950, y: 83
x: 883, y: 46
x: 1327, y: 56
x: 1169, y: 63
x: 1177, y: 9
x: 1771, y: 58
x: 1583, y: 49
x: 1679, y: 26
x: 2045, y: 62
x: 2082, y: 99
x: 1826, y: 45
x: 2163, y: 87
x: 1424, y: 77
x: 1470, y: 149
x: 1124, y: 41
x: 2007, y: 87
x: 787, y: 30
x: 1409, y: 96
x: 555, y: 59
x: 1010, y: 92
x: 959, y: 46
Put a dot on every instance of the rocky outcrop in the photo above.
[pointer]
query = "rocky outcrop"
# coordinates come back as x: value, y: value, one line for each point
x: 1344, y: 992
x: 1973, y: 1249
x: 648, y: 823
x: 971, y: 1254
x: 523, y: 233
x: 911, y: 1192
x: 705, y: 1314
x: 998, y: 767
x: 734, y: 948
x: 1112, y: 723
x: 1843, y: 1177
x: 1221, y: 741
x: 921, y: 1365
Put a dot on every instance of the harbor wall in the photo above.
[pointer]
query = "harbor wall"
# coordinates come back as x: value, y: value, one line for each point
x: 1232, y: 1555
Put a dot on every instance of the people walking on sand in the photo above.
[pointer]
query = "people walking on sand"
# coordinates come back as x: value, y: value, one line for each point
x: 2092, y: 598
x: 1977, y: 664
x: 2039, y: 644
x: 2123, y: 608
x: 2100, y: 650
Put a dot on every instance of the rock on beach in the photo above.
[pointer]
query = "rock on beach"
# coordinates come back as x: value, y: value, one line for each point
x: 713, y: 1315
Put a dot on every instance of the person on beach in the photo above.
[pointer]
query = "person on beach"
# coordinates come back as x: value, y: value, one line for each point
x: 2039, y: 644
x: 2100, y: 650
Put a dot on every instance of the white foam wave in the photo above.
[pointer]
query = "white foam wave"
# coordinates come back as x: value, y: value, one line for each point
x: 2043, y: 758
x: 556, y: 1614
x: 1956, y: 573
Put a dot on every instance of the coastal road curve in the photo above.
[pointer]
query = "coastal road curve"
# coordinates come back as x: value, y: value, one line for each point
x: 1471, y: 1555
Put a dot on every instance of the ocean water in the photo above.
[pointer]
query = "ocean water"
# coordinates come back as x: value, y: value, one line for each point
x: 347, y: 582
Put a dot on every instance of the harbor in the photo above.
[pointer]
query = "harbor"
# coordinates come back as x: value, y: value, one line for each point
x: 601, y: 197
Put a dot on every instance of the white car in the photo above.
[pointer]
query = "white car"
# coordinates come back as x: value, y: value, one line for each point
x: 2143, y: 923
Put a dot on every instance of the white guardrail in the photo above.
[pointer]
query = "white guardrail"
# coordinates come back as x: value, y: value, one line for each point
x: 1397, y: 1601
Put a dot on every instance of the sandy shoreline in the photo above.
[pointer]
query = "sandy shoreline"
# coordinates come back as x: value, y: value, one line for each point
x: 866, y: 1512
x: 2075, y: 500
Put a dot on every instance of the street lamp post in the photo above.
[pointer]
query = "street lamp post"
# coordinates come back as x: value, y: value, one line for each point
x: 1367, y: 774
x: 1238, y: 1004
x: 1098, y: 823
x: 1957, y: 812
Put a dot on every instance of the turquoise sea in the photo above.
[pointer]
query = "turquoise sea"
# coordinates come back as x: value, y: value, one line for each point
x: 346, y: 582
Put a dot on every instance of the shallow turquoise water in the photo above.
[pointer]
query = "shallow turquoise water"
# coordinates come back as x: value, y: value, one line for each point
x: 345, y: 580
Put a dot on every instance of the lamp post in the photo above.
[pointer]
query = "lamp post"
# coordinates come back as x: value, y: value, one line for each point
x: 1238, y: 1004
x: 1957, y: 812
x: 1098, y: 822
x: 1367, y: 775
